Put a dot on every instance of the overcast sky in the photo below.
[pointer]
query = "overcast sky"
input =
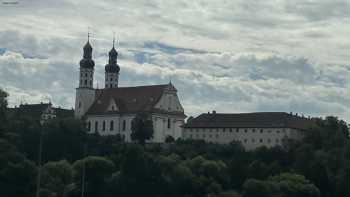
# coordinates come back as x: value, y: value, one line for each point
x: 223, y: 55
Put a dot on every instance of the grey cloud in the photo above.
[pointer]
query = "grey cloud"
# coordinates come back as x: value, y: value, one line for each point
x: 232, y: 56
x: 319, y: 10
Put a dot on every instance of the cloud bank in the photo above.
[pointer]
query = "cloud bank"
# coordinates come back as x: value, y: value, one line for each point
x: 228, y: 56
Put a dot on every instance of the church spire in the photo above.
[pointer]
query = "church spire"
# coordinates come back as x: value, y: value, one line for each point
x: 112, y: 68
x: 113, y: 55
x: 113, y: 40
x: 87, y: 61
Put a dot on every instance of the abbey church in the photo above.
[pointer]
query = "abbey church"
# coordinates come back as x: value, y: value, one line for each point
x: 109, y: 111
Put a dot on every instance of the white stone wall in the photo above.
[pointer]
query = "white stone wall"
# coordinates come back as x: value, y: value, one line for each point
x: 169, y: 102
x: 117, y: 125
x: 250, y: 138
x: 85, y: 94
x: 167, y: 125
x: 84, y: 98
x: 160, y: 126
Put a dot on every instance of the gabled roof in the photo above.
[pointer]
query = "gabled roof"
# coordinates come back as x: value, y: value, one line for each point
x: 250, y: 120
x: 129, y: 99
x: 33, y: 110
x: 36, y: 110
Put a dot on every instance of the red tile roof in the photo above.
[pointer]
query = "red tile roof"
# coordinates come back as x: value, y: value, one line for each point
x: 130, y: 99
x: 250, y: 120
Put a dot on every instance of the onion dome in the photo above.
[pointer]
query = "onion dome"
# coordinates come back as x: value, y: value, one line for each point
x: 112, y: 66
x: 87, y: 61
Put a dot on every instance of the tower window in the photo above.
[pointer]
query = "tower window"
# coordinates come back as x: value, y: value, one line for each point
x: 169, y: 126
x: 111, y: 86
x: 86, y: 75
x: 85, y: 82
x: 89, y: 126
x: 104, y: 126
x: 91, y: 83
x: 111, y: 126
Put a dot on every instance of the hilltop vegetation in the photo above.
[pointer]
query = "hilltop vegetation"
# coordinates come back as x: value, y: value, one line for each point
x: 318, y: 166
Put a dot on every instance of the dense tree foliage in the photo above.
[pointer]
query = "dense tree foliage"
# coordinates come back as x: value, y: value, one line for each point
x: 3, y: 108
x: 317, y: 166
x: 142, y: 128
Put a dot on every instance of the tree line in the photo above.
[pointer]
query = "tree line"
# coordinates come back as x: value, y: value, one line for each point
x: 317, y: 166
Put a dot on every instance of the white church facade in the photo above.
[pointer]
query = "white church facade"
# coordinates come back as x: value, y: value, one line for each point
x: 110, y: 111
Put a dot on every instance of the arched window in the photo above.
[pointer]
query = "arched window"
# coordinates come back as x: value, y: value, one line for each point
x: 104, y: 126
x: 85, y: 82
x: 169, y: 126
x: 111, y: 126
x: 86, y: 75
x: 91, y: 83
x: 124, y: 125
x: 89, y: 126
x: 96, y: 126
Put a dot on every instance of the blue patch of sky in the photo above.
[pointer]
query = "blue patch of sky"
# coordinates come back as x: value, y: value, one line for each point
x: 141, y: 56
x: 165, y: 48
x: 2, y: 51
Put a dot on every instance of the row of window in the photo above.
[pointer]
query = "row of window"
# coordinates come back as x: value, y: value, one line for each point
x: 86, y: 75
x: 85, y: 82
x: 236, y: 130
x: 253, y: 140
x: 111, y: 125
x: 111, y: 79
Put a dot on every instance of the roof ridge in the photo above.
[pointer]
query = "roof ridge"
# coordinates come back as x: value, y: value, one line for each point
x: 142, y: 86
x: 216, y: 113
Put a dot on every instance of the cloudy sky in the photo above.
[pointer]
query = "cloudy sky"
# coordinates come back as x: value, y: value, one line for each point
x: 223, y: 55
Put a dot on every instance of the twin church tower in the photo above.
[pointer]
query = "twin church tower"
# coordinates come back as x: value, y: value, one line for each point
x: 86, y: 92
x: 110, y: 110
x: 87, y: 68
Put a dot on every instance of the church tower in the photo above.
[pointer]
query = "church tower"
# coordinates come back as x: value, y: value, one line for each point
x: 85, y: 94
x: 112, y: 69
